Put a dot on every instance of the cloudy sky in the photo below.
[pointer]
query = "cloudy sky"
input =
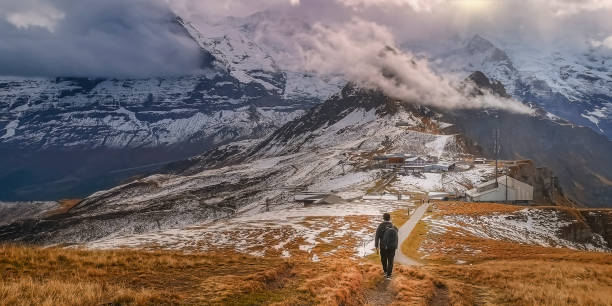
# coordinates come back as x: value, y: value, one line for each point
x: 534, y: 20
x: 127, y: 38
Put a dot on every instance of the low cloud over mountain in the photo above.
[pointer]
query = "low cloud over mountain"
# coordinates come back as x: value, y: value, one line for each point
x: 111, y: 38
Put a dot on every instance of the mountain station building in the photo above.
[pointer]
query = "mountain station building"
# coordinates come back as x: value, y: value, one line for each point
x: 507, y: 189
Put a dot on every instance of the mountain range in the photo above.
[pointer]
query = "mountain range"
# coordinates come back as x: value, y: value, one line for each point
x: 69, y: 137
x: 330, y: 148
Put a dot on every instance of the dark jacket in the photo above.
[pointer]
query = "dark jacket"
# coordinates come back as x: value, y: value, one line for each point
x: 380, y: 230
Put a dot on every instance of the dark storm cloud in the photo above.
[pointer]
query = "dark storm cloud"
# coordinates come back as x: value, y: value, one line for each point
x: 109, y: 38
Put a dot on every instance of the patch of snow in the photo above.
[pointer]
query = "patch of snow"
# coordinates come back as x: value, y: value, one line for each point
x: 10, y: 129
x: 528, y: 226
x: 388, y: 197
x: 437, y: 146
x: 591, y: 118
x: 272, y: 231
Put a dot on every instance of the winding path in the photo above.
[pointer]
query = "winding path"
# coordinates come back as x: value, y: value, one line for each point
x: 404, y: 232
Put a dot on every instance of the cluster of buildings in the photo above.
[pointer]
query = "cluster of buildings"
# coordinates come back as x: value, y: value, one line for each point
x: 410, y: 164
x: 503, y: 189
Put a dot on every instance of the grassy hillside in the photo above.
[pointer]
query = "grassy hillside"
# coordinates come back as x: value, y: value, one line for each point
x: 459, y: 269
x: 31, y: 275
x: 491, y: 271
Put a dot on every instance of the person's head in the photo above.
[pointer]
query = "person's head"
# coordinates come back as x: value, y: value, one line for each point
x: 386, y: 216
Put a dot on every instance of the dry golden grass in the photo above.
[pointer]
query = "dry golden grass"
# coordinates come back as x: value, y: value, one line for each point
x: 410, y: 246
x: 340, y: 283
x: 51, y: 276
x: 400, y: 216
x: 65, y: 206
x: 473, y: 209
x: 533, y: 282
x: 36, y: 276
x: 501, y: 272
x: 83, y: 277
x: 27, y: 291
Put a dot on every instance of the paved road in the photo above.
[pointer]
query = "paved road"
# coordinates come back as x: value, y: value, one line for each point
x: 405, y: 231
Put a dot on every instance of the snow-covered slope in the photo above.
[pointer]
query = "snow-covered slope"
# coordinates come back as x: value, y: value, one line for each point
x: 571, y: 85
x: 91, y: 113
x: 328, y: 148
x: 262, y: 45
x: 322, y: 150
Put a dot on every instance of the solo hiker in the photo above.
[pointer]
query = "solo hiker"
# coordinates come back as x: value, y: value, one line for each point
x: 386, y: 239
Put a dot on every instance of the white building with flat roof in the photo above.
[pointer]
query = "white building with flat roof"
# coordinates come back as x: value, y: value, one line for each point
x: 507, y: 189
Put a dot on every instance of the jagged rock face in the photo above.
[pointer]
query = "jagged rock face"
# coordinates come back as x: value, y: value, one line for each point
x: 481, y: 81
x: 587, y: 226
x: 599, y: 222
x: 576, y: 87
x: 68, y: 137
x: 546, y: 188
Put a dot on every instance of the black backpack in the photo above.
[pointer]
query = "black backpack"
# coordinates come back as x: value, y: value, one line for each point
x: 389, y: 238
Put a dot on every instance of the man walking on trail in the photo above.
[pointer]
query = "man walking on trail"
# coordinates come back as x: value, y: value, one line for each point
x: 386, y: 239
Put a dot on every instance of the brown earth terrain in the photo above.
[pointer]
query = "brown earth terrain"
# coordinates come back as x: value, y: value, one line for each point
x: 502, y: 272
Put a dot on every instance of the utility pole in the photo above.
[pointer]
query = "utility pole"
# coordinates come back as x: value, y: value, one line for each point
x: 496, y: 152
x: 552, y: 189
x: 506, y: 187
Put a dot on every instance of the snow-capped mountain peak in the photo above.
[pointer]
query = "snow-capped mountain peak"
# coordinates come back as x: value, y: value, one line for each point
x: 478, y: 45
x: 572, y: 85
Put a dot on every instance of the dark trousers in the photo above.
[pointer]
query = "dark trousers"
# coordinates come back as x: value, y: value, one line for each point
x: 386, y: 257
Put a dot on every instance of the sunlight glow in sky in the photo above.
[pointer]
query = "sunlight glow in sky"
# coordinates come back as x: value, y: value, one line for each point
x: 474, y: 6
